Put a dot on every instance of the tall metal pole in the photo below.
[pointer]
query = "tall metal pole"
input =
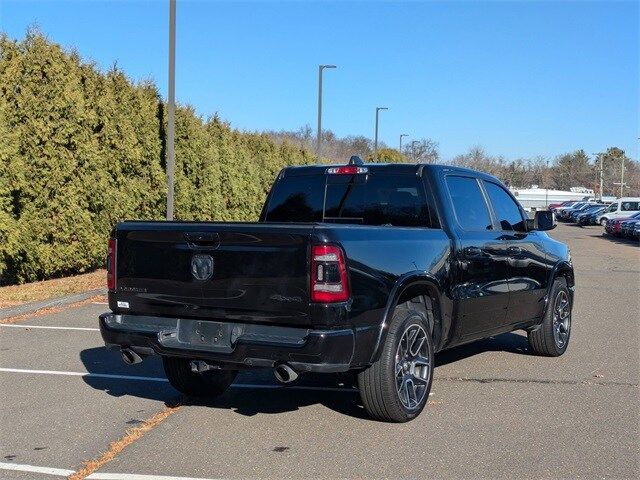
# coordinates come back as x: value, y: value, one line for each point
x: 402, y: 135
x: 622, y: 178
x: 375, y: 142
x: 546, y: 185
x: 601, y: 175
x: 413, y: 149
x: 600, y: 172
x: 319, y: 131
x: 171, y: 154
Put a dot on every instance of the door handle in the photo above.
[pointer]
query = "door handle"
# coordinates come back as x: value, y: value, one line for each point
x: 473, y: 252
x: 514, y: 250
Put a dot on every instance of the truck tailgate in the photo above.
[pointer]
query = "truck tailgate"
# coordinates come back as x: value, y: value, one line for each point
x: 249, y: 272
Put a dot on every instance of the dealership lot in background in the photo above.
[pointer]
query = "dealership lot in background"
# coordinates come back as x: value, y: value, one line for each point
x: 496, y: 411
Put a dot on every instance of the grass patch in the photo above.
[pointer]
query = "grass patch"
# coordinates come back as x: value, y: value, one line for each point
x: 31, y: 292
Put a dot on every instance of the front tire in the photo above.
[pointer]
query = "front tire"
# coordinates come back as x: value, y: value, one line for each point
x: 603, y: 222
x: 211, y: 383
x: 551, y: 339
x: 396, y: 387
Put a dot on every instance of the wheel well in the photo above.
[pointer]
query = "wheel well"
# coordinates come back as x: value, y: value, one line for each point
x: 567, y: 274
x: 423, y: 297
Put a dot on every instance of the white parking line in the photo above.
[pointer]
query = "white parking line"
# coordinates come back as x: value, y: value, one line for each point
x: 84, y: 374
x: 62, y: 472
x: 17, y: 467
x: 159, y: 379
x: 133, y: 476
x: 13, y: 325
x: 100, y: 303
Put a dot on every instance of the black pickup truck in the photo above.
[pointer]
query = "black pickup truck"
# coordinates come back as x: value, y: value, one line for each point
x: 362, y: 267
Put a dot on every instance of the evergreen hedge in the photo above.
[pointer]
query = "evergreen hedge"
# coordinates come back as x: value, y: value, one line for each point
x: 81, y: 149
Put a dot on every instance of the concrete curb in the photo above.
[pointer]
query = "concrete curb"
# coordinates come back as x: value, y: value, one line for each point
x: 32, y: 307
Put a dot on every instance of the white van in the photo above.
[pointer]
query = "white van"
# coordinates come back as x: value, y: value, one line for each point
x: 620, y: 208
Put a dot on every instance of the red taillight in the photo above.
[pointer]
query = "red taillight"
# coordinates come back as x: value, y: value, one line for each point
x: 328, y: 275
x: 347, y: 170
x: 111, y: 264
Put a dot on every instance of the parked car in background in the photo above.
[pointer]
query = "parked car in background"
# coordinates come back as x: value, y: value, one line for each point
x: 627, y: 227
x: 559, y: 211
x: 565, y: 214
x: 554, y: 206
x: 636, y: 231
x: 590, y: 217
x: 622, y: 207
x: 575, y: 215
x: 614, y: 225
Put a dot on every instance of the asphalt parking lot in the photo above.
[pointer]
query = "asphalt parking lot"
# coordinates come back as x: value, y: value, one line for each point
x: 496, y: 411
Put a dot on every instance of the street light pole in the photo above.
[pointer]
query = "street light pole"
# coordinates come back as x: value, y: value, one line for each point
x: 546, y: 185
x: 601, y: 175
x: 171, y: 100
x: 375, y: 142
x: 402, y: 135
x: 413, y: 149
x: 600, y: 156
x: 319, y: 131
x: 622, y: 178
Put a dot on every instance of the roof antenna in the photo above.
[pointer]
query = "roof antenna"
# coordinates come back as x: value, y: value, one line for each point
x: 355, y: 160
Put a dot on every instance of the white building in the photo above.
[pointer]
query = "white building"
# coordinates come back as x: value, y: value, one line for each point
x: 536, y: 198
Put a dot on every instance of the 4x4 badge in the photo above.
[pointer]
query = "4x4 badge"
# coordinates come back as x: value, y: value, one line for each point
x: 202, y: 266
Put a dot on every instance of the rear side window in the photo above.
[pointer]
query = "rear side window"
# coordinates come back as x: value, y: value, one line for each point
x: 396, y: 200
x: 468, y: 203
x: 629, y: 206
x: 505, y: 208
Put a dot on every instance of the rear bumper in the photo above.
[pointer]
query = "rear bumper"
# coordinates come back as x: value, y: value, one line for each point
x: 234, y: 345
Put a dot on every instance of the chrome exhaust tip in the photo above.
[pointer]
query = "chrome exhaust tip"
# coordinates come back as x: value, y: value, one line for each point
x: 130, y: 357
x: 284, y: 373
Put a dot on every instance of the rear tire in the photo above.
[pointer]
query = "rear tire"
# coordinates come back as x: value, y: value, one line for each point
x: 206, y: 384
x: 396, y: 387
x: 551, y: 339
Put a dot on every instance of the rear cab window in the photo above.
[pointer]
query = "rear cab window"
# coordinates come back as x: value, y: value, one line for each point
x: 296, y: 199
x: 376, y: 199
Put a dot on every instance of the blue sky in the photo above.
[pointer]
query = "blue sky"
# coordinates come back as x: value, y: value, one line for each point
x: 520, y: 79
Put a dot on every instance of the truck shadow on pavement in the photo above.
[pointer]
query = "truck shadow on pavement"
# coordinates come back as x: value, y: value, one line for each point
x: 507, y: 342
x: 256, y: 391
x: 101, y: 361
x: 249, y: 401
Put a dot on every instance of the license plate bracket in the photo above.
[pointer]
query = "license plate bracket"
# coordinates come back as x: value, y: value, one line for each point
x: 204, y: 335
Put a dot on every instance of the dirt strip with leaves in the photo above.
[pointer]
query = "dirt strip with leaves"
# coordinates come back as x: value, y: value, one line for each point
x: 130, y: 436
x: 51, y: 310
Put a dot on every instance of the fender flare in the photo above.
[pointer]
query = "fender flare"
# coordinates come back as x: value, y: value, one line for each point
x: 405, y: 281
x: 562, y: 268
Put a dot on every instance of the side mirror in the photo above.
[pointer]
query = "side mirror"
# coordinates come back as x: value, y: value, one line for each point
x: 542, y: 221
